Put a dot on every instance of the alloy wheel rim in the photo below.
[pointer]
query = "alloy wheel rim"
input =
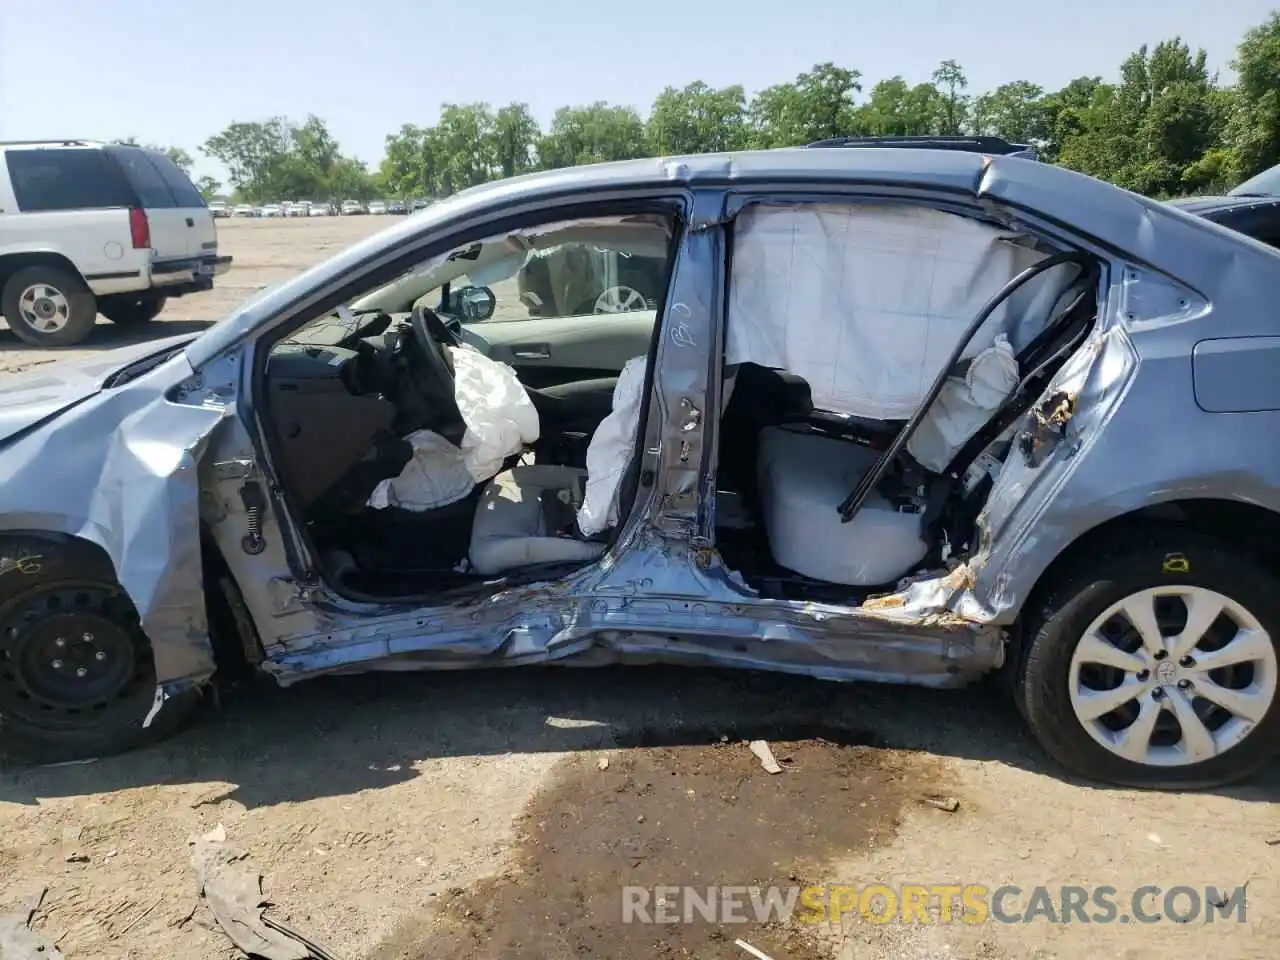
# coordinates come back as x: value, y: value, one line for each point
x: 1172, y: 676
x: 620, y: 299
x: 45, y: 308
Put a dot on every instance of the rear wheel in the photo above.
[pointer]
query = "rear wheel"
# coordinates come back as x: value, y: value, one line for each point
x: 77, y: 678
x: 1156, y: 664
x: 48, y: 306
x: 130, y: 309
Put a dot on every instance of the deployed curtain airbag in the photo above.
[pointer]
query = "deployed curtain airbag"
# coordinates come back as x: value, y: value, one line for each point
x: 866, y: 301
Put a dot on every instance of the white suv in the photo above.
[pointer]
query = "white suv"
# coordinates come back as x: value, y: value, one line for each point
x: 88, y: 227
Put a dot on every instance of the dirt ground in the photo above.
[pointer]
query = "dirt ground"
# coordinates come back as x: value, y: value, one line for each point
x: 500, y: 814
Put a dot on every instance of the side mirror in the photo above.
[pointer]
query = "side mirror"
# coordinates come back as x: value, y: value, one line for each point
x: 472, y: 304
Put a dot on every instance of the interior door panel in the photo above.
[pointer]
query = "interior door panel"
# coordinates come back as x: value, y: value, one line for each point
x: 563, y: 349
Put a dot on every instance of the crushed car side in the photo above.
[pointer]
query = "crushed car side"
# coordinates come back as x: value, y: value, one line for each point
x: 665, y: 592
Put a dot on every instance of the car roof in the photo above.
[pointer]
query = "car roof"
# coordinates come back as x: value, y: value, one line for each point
x: 1114, y: 216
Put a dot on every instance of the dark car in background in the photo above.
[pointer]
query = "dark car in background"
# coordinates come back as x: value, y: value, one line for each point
x: 397, y: 207
x: 1253, y: 208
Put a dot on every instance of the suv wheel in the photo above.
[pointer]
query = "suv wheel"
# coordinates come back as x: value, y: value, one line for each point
x: 77, y: 678
x: 1155, y: 664
x: 129, y: 309
x: 48, y: 306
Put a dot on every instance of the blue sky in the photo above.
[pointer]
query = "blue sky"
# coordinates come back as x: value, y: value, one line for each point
x: 176, y: 71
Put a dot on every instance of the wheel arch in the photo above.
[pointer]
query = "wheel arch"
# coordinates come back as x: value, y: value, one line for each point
x: 1250, y: 526
x: 13, y: 261
x: 22, y: 555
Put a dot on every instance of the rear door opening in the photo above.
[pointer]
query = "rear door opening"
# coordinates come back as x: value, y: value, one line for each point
x: 882, y: 361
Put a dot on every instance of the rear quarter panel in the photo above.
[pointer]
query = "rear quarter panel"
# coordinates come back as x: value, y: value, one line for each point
x: 1140, y: 434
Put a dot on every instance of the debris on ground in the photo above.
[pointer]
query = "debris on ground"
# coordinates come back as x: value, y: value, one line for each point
x: 603, y: 763
x: 947, y: 804
x: 235, y: 898
x: 751, y: 950
x: 138, y: 919
x: 762, y: 752
x: 18, y: 941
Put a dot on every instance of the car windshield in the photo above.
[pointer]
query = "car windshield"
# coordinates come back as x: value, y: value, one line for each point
x: 1264, y: 184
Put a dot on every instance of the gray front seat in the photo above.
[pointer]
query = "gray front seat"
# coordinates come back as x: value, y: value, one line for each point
x: 522, y: 516
x: 526, y: 514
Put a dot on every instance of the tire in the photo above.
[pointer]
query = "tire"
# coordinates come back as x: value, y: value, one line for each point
x: 131, y: 310
x: 85, y: 694
x: 1053, y: 683
x: 618, y: 298
x: 52, y: 297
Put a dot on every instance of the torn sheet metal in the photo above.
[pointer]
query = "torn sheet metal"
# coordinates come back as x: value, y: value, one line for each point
x: 865, y: 302
x: 119, y: 469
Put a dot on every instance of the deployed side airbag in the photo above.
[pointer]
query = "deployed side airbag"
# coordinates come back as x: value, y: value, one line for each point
x: 965, y: 404
x: 610, y: 450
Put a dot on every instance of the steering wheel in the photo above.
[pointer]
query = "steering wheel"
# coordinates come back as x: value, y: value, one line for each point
x: 433, y: 339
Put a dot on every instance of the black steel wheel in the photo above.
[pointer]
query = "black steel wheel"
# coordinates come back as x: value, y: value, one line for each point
x: 73, y: 657
x: 77, y: 676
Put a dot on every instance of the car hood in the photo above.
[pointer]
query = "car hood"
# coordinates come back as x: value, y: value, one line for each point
x: 30, y: 398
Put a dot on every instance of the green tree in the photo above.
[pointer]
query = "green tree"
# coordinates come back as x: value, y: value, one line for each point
x: 1016, y: 111
x: 464, y: 143
x: 253, y: 155
x: 817, y: 104
x: 1253, y: 130
x: 277, y: 159
x: 1073, y: 112
x: 697, y: 119
x: 951, y: 81
x: 894, y: 109
x: 208, y: 187
x: 349, y: 179
x: 592, y: 134
x: 407, y: 169
x: 515, y: 135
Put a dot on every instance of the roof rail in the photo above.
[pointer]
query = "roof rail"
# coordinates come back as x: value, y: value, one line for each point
x: 61, y: 142
x: 976, y: 144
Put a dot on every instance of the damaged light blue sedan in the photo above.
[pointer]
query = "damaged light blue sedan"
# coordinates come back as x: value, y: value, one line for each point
x: 907, y: 415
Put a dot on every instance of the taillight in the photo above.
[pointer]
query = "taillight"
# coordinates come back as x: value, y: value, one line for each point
x: 139, y: 228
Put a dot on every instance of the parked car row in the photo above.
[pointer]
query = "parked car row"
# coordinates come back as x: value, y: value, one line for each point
x: 306, y: 208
